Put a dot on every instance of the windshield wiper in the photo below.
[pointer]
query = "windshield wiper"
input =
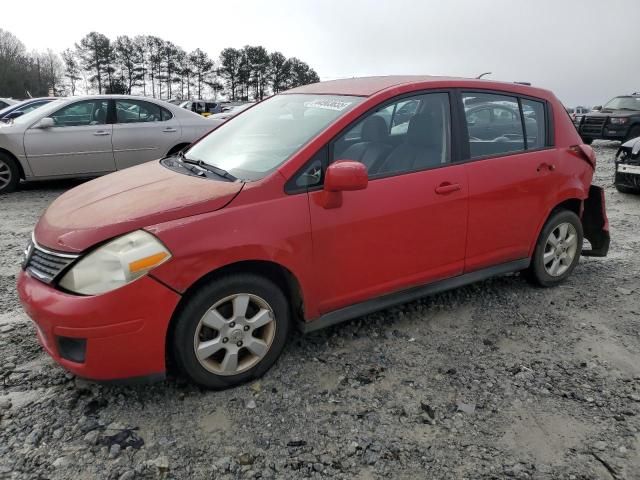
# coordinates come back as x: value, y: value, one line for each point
x: 205, y: 166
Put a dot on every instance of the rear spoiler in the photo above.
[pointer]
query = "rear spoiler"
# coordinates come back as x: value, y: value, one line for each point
x: 595, y: 223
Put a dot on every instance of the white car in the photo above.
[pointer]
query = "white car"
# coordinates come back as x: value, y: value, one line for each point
x: 91, y: 136
x: 5, y: 102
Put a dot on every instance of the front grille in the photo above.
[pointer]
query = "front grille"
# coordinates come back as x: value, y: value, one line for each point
x: 592, y: 125
x: 45, y: 264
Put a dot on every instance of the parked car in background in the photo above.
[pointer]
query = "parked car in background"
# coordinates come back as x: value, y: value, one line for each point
x: 5, y: 102
x: 619, y: 119
x: 284, y: 216
x: 202, y: 107
x: 91, y: 136
x: 577, y: 114
x: 230, y: 111
x: 627, y: 176
x: 18, y: 109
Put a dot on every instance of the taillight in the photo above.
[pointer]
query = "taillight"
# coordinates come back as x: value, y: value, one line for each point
x: 585, y: 152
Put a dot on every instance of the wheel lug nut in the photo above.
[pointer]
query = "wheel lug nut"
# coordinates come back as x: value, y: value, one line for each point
x: 246, y: 328
x: 232, y: 324
x: 239, y: 344
x: 225, y: 340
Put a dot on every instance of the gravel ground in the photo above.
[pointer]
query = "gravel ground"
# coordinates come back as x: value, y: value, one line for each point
x: 494, y: 380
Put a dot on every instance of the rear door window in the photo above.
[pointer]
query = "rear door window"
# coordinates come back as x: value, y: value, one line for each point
x: 494, y: 124
x: 136, y: 111
x: 534, y: 123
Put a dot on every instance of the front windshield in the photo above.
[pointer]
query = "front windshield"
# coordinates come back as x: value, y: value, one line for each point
x: 623, y: 103
x: 265, y: 136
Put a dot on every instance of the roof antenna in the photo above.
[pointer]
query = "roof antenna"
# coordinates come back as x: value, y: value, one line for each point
x: 482, y: 75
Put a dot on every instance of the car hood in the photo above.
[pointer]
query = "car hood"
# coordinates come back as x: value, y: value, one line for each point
x: 124, y: 201
x: 632, y: 146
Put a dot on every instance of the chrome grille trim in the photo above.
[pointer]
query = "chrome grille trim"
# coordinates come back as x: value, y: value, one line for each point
x: 45, y: 264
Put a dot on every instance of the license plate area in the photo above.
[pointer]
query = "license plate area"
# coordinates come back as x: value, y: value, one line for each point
x: 633, y: 169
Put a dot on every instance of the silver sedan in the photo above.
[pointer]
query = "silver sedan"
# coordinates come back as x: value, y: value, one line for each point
x: 91, y: 136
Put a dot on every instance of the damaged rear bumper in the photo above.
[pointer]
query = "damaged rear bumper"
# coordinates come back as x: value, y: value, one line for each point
x: 595, y: 223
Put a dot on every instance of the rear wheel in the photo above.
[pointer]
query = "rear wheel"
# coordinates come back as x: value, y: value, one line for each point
x: 558, y: 249
x: 9, y: 174
x: 231, y: 331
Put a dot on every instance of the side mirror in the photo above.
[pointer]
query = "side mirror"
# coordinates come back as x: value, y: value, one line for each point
x: 45, y: 123
x: 597, y: 107
x: 346, y: 175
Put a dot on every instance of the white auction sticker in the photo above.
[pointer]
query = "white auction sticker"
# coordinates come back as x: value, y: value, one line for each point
x: 336, y: 105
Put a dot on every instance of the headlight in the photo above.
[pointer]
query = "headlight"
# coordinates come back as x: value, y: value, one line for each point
x: 618, y: 120
x: 117, y: 263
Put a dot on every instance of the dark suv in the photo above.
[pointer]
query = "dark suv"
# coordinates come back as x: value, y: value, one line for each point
x: 619, y: 119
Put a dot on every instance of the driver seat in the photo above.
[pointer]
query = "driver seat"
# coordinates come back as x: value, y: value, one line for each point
x: 373, y: 147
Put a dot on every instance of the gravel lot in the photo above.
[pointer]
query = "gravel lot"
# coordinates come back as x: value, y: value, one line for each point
x: 494, y: 380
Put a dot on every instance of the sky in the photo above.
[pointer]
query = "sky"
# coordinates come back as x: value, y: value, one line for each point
x: 585, y: 51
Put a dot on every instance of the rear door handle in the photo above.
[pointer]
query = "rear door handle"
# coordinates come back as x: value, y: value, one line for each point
x: 101, y: 133
x: 546, y: 166
x: 169, y: 130
x: 446, y: 188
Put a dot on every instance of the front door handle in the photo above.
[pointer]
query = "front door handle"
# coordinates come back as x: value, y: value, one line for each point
x: 446, y: 188
x: 546, y: 166
x: 169, y: 130
x: 101, y: 133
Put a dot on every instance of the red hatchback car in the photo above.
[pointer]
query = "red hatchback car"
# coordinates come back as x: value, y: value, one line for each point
x: 321, y: 204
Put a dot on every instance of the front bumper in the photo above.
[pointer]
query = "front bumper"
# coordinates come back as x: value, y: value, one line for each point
x: 118, y: 335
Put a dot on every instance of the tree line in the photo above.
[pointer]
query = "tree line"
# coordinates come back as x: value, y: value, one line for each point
x: 147, y: 65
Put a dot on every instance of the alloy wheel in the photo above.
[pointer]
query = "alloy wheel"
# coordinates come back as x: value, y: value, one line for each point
x: 560, y: 249
x: 234, y: 334
x: 5, y: 174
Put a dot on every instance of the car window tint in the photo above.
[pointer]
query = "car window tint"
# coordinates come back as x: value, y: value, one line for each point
x: 84, y: 113
x: 494, y: 124
x: 534, y: 123
x: 166, y: 114
x: 136, y: 111
x: 408, y: 135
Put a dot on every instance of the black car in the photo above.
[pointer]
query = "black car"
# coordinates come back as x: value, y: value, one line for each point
x: 627, y: 177
x: 619, y: 119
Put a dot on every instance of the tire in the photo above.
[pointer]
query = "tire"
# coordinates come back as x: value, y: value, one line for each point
x: 623, y: 188
x: 633, y: 133
x: 9, y: 174
x: 214, y: 323
x: 587, y: 141
x: 565, y: 255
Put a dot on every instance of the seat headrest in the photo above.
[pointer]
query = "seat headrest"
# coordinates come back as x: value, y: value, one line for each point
x: 425, y: 129
x: 374, y: 129
x: 100, y: 115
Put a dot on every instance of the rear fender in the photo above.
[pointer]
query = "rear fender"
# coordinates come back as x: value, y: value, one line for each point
x: 595, y: 223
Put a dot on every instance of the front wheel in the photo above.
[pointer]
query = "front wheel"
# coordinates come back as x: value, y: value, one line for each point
x: 558, y: 249
x: 231, y: 331
x: 9, y: 174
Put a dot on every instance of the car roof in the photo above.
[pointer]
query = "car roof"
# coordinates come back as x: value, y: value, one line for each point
x: 368, y: 86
